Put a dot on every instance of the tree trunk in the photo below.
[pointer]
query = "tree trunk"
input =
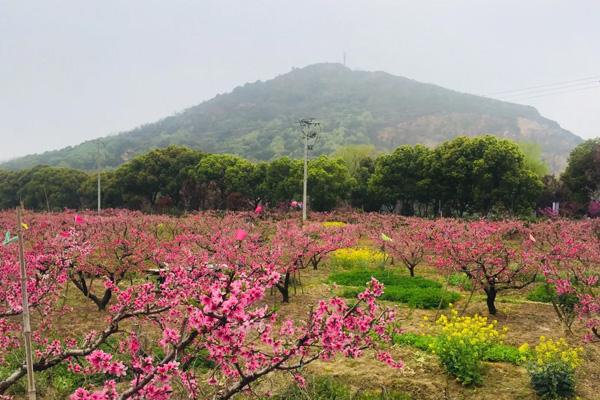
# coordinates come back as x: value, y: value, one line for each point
x: 315, y: 262
x: 105, y: 299
x: 284, y: 288
x: 491, y: 293
x: 80, y: 283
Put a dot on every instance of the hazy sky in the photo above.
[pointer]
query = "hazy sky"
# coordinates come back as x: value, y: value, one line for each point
x: 75, y: 70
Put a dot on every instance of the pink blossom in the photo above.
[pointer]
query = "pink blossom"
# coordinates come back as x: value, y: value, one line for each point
x: 240, y: 234
x: 300, y: 380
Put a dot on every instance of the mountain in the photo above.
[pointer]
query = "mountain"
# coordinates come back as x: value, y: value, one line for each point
x: 258, y: 120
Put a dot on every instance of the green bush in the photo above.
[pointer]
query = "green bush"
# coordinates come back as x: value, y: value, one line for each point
x: 554, y: 381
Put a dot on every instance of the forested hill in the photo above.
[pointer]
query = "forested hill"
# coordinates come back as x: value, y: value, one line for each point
x: 258, y: 120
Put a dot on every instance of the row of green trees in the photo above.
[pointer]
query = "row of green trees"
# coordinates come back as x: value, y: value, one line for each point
x: 581, y: 179
x: 465, y: 175
x: 180, y: 178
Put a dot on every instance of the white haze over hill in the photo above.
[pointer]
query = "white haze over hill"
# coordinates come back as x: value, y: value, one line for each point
x: 72, y: 70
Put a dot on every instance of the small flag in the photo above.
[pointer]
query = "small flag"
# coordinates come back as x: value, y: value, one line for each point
x: 78, y: 219
x: 24, y: 225
x: 385, y: 238
x: 8, y: 239
x: 258, y: 209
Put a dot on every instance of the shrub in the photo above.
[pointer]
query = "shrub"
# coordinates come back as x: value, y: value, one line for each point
x: 463, y: 343
x: 552, y: 366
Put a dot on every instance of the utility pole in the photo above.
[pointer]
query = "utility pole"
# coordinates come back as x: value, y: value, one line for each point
x: 99, y: 179
x: 309, y: 128
x: 305, y: 180
x: 25, y: 304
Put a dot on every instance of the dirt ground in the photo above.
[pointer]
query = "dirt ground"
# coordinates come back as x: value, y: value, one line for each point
x: 422, y: 378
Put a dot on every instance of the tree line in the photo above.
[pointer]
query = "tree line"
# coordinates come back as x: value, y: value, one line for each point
x: 480, y: 175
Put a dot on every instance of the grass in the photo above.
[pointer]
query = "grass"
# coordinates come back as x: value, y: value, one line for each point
x: 59, y: 382
x: 424, y: 298
x: 497, y: 353
x: 389, y: 277
x: 460, y: 280
x: 415, y: 291
x: 327, y: 388
x: 542, y: 293
x: 55, y: 383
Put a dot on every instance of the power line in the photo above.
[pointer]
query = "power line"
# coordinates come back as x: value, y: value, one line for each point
x: 551, y: 89
x: 597, y: 86
x: 548, y: 85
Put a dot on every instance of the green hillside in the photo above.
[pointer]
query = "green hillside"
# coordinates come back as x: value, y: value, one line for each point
x: 258, y: 120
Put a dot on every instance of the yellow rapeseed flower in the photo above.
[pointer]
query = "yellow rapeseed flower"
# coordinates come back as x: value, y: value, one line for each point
x: 524, y: 348
x: 353, y: 257
x: 549, y: 352
x: 333, y: 224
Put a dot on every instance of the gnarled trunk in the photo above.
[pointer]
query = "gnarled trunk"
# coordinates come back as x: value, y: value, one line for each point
x: 284, y: 288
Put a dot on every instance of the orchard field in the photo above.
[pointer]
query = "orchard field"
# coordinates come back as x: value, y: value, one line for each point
x: 126, y: 305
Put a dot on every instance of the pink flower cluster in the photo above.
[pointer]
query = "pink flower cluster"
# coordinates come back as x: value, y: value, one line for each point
x: 102, y: 362
x: 201, y: 281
